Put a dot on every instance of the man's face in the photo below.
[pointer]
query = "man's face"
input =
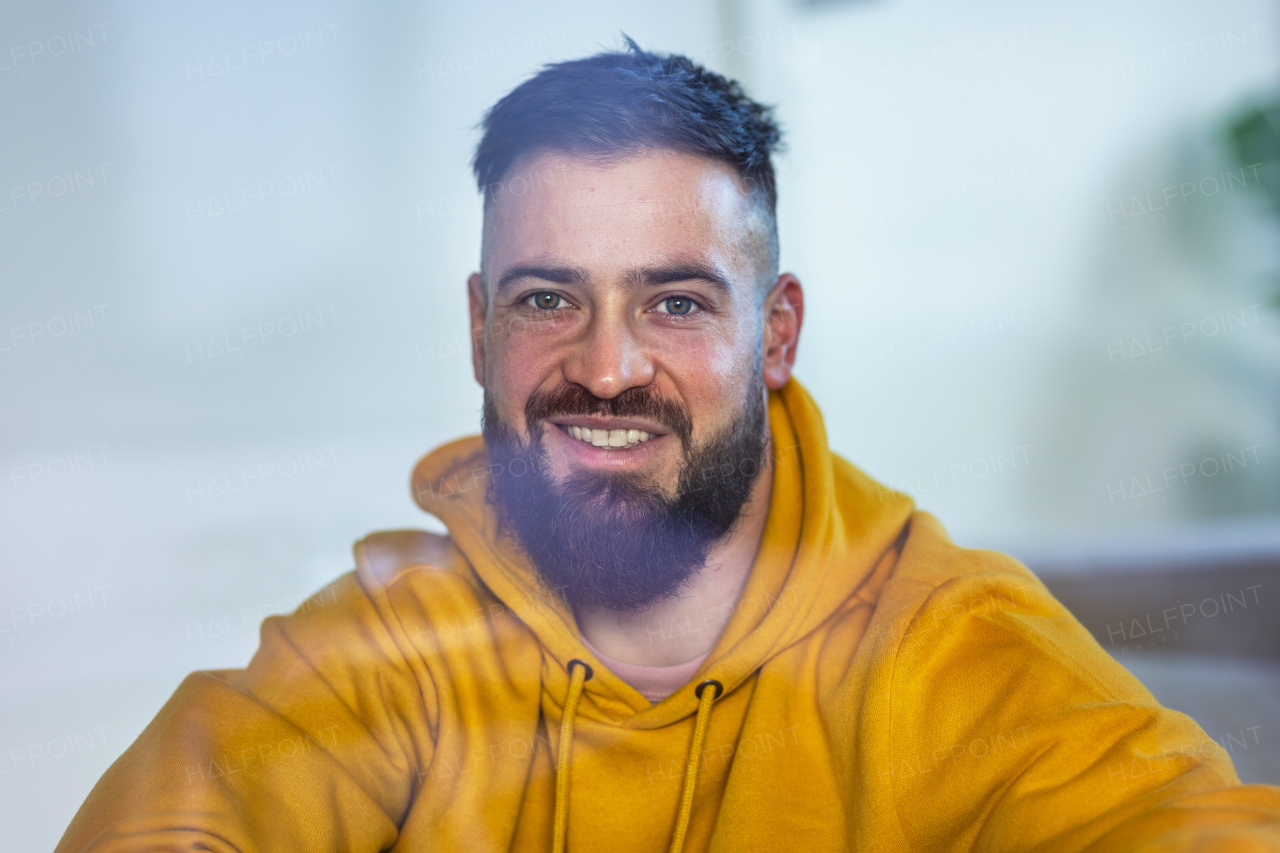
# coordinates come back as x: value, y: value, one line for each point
x: 625, y: 351
x: 642, y: 274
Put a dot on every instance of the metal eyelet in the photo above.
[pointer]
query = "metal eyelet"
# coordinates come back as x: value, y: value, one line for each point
x: 585, y: 665
x: 697, y: 691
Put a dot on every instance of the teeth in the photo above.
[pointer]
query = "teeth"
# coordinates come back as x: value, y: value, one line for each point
x: 610, y: 438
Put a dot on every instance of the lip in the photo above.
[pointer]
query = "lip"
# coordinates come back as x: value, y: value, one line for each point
x: 585, y: 455
x: 599, y: 422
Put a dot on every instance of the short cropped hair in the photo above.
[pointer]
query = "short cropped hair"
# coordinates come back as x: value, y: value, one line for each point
x: 610, y: 105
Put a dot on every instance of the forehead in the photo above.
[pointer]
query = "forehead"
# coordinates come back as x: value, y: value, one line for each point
x: 652, y: 207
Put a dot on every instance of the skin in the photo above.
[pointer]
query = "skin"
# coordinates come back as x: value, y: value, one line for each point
x: 647, y: 271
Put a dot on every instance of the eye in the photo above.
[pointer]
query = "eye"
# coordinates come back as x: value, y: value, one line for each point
x: 546, y: 300
x: 678, y: 305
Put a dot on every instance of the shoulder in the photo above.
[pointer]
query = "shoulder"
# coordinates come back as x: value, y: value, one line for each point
x: 972, y: 599
x: 948, y: 609
x: 931, y: 559
x: 384, y: 556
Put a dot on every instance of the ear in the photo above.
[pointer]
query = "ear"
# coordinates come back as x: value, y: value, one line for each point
x: 783, y: 316
x: 478, y: 304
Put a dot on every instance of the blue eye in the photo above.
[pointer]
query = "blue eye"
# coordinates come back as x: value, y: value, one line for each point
x: 546, y: 300
x: 678, y: 305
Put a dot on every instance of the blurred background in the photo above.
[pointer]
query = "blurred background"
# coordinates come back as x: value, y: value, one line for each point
x: 1040, y: 246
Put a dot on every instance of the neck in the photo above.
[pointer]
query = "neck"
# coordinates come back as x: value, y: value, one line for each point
x: 686, y: 627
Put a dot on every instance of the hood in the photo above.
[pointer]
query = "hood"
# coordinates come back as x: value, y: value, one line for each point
x: 828, y: 528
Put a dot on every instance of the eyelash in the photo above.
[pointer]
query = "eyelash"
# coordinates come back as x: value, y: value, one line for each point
x: 528, y: 300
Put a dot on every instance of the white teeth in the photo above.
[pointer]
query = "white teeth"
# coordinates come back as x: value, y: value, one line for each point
x: 609, y: 438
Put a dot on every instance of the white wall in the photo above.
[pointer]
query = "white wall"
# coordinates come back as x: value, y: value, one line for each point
x: 953, y: 201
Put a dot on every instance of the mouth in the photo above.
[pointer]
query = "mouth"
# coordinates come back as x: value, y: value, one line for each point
x: 609, y: 439
x: 609, y: 436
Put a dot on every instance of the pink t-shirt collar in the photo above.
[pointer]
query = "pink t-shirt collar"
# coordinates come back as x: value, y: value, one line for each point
x: 654, y: 683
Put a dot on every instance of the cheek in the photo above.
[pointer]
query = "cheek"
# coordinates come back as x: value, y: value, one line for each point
x: 716, y: 347
x: 710, y: 373
x: 518, y: 362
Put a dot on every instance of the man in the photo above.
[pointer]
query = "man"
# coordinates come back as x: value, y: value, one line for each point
x: 666, y: 616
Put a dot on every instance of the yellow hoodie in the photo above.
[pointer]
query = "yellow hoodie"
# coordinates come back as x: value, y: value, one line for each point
x: 883, y: 689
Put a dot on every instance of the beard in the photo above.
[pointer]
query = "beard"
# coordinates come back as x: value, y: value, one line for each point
x: 609, y: 541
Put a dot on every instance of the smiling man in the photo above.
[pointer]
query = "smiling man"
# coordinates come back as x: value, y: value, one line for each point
x: 666, y: 616
x: 637, y: 330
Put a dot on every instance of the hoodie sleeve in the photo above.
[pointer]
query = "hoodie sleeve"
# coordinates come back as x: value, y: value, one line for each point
x: 306, y: 749
x: 1010, y: 728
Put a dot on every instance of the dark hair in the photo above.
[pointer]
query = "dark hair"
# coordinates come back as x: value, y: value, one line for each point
x: 616, y: 103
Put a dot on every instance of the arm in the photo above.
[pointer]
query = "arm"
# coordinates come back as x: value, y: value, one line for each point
x: 1010, y: 728
x: 305, y: 749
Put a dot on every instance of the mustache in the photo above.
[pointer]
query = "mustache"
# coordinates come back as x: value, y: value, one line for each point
x: 638, y: 402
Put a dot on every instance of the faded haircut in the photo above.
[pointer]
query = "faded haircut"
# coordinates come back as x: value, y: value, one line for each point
x: 604, y: 108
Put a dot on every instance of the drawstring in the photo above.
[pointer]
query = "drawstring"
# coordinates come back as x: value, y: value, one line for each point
x: 580, y: 673
x: 578, y: 676
x: 695, y: 752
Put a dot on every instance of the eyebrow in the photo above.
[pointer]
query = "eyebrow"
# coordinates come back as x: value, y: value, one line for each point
x: 558, y: 275
x: 641, y: 277
x: 649, y: 276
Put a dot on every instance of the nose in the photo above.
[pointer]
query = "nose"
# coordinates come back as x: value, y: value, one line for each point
x: 609, y: 358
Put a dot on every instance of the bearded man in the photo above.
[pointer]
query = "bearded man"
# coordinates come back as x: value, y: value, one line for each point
x: 666, y: 616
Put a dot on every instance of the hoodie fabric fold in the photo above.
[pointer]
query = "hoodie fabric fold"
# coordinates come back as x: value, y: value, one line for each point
x: 882, y: 689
